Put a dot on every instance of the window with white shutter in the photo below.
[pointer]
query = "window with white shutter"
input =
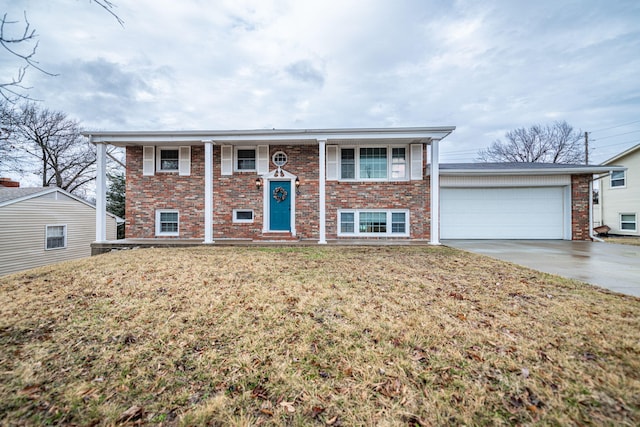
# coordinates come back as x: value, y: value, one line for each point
x: 263, y: 159
x: 148, y: 160
x: 185, y: 161
x: 416, y: 161
x: 226, y: 160
x: 332, y: 162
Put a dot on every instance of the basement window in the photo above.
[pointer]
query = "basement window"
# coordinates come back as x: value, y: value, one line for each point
x: 243, y: 216
x: 167, y: 223
x: 365, y: 222
x: 628, y: 222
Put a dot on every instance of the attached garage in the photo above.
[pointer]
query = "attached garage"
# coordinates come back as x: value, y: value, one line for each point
x: 515, y: 200
x: 505, y: 213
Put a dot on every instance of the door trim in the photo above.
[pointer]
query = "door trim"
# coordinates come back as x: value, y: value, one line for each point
x: 277, y: 176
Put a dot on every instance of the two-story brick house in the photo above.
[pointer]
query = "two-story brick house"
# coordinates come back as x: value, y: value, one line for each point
x: 317, y: 185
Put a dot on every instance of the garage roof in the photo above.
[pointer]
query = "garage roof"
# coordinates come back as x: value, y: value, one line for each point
x: 521, y: 168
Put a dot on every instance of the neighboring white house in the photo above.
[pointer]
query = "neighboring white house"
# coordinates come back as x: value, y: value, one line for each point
x: 620, y: 194
x: 40, y: 226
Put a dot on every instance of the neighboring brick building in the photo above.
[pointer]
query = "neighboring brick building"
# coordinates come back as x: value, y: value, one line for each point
x: 373, y: 184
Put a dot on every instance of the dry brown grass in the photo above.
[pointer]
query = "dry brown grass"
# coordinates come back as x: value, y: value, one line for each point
x: 313, y: 336
x: 623, y: 240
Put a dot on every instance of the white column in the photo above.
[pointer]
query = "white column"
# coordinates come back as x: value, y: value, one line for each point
x: 101, y: 192
x: 435, y: 194
x: 322, y: 190
x: 208, y: 192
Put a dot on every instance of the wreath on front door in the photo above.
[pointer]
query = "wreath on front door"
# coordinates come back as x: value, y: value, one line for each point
x: 279, y: 194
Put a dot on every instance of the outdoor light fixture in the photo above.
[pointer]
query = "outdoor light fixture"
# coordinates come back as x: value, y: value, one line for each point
x: 297, y: 182
x: 258, y: 183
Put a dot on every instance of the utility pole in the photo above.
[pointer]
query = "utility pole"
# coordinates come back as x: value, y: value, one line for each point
x: 586, y: 148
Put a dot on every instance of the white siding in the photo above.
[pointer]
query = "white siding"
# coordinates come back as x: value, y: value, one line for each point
x: 23, y: 232
x: 505, y: 181
x: 616, y: 201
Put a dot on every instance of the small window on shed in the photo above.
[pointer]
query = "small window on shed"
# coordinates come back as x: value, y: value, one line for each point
x: 56, y: 237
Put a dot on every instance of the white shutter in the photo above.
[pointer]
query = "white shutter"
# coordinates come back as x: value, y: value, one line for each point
x: 262, y: 159
x: 148, y: 160
x: 184, y: 162
x: 416, y: 161
x: 332, y: 162
x: 226, y: 160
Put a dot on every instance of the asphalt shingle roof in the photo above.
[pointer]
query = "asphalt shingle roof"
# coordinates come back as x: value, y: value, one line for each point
x: 11, y: 193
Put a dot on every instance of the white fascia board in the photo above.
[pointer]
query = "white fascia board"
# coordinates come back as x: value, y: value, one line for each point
x: 559, y: 171
x: 621, y: 155
x: 302, y: 136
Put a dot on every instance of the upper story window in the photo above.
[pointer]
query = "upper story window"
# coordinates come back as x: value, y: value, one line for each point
x: 246, y: 159
x: 169, y: 160
x: 398, y: 163
x: 56, y: 237
x: 617, y: 179
x: 373, y: 163
x: 279, y: 158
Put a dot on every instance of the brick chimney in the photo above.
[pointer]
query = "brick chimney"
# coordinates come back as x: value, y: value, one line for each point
x: 8, y: 182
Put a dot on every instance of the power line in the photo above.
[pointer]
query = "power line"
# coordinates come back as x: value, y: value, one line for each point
x: 618, y: 126
x: 617, y: 143
x: 618, y: 134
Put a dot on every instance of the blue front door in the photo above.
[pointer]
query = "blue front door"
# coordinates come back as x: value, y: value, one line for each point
x: 280, y: 206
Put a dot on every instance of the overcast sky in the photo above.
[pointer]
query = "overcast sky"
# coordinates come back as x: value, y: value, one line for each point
x: 483, y: 66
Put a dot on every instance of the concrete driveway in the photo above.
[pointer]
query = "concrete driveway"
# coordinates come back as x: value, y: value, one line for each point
x: 611, y: 266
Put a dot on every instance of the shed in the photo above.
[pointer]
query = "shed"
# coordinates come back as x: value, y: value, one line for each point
x: 45, y: 225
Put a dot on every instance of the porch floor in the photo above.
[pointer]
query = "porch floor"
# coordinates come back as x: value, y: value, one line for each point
x: 126, y: 244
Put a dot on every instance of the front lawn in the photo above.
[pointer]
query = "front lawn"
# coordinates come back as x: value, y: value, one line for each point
x: 313, y: 336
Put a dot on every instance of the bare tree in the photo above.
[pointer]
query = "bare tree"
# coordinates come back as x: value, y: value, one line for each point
x: 52, y: 147
x: 555, y: 143
x: 23, y: 46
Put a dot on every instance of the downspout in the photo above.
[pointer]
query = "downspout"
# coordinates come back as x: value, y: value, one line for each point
x: 591, y: 235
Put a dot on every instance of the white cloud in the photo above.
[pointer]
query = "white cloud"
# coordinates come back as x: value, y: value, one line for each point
x: 486, y: 67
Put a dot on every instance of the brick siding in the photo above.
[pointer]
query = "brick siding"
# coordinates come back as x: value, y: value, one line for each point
x: 580, y: 207
x: 146, y: 194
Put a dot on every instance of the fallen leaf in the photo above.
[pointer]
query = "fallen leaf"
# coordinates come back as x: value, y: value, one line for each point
x: 316, y: 410
x: 31, y: 391
x: 332, y: 421
x: 288, y: 406
x: 131, y: 413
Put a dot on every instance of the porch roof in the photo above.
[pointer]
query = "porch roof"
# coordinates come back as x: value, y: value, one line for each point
x: 405, y: 135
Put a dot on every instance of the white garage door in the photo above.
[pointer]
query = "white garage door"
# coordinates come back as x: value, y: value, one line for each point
x: 502, y: 213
